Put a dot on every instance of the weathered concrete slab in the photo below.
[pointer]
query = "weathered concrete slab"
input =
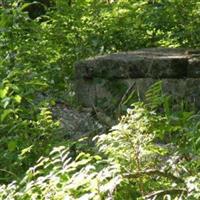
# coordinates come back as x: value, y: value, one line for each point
x: 104, y: 80
x: 149, y: 63
x: 193, y: 69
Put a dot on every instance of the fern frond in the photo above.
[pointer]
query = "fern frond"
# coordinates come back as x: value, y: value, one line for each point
x: 154, y: 95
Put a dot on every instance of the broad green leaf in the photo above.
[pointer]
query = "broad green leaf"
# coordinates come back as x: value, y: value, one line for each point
x: 12, y: 145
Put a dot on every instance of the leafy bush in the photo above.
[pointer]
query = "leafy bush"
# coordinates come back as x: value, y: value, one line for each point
x: 147, y: 155
x: 36, y: 69
x: 26, y: 130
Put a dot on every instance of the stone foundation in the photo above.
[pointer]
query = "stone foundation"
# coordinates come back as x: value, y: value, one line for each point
x: 104, y: 80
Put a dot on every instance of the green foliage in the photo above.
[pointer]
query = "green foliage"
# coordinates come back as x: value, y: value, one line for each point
x: 50, y: 44
x: 137, y: 159
x: 36, y: 69
x: 26, y: 130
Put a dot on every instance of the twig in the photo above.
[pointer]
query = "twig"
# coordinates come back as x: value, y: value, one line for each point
x: 125, y: 97
x: 150, y: 172
x: 102, y: 117
x: 9, y: 172
x: 164, y: 192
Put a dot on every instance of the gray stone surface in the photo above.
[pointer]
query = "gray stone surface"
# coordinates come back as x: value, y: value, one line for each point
x: 77, y: 123
x: 194, y: 67
x: 149, y: 63
x: 102, y: 81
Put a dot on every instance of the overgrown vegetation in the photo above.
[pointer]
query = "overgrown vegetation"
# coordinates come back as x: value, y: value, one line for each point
x: 148, y: 155
x: 151, y: 152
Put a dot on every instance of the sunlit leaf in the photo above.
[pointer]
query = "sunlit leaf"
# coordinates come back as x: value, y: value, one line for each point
x: 18, y: 98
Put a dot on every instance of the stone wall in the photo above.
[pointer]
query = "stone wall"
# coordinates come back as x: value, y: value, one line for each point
x: 102, y: 81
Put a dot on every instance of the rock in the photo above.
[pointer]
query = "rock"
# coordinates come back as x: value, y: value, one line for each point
x: 102, y: 81
x: 194, y: 67
x: 77, y: 123
x: 151, y: 63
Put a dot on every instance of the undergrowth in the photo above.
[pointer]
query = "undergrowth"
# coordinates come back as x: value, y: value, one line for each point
x: 151, y: 148
x: 150, y: 154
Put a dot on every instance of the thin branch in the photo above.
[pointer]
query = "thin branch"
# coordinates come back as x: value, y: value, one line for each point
x: 150, y: 172
x: 9, y: 172
x: 124, y: 98
x: 164, y: 192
